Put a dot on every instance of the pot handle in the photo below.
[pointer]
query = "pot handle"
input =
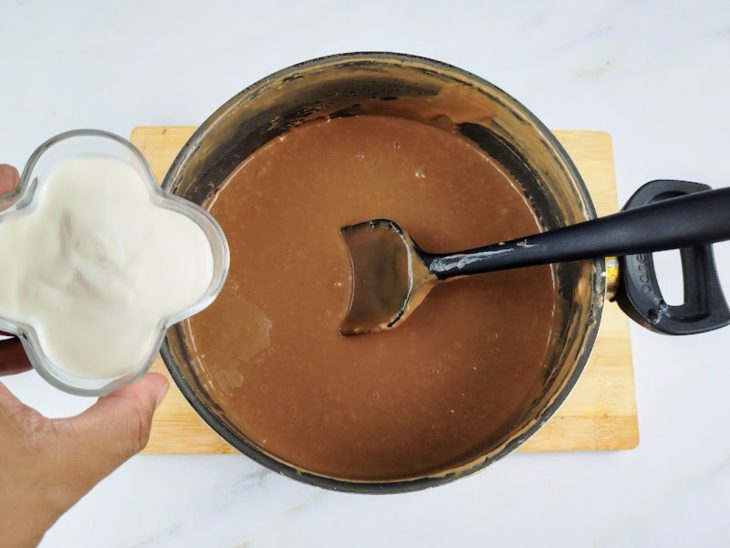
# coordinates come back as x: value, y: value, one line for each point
x: 638, y: 294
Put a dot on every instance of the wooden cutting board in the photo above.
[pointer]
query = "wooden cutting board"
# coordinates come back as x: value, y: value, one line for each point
x: 600, y: 412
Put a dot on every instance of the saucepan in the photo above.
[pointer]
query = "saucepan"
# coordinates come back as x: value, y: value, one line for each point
x: 405, y: 85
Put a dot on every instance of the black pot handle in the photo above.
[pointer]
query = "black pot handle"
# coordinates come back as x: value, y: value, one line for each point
x: 638, y: 294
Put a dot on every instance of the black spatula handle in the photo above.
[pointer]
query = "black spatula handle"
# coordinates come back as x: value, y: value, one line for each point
x: 695, y: 219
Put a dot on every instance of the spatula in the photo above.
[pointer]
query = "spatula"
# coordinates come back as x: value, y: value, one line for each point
x: 391, y: 275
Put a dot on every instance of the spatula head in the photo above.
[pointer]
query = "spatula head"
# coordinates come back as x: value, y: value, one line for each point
x: 389, y: 276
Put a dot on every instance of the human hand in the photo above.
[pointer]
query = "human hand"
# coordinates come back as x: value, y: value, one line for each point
x: 47, y: 465
x: 9, y: 178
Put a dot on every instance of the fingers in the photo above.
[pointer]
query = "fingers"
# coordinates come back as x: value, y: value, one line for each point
x: 55, y: 462
x: 88, y: 447
x: 9, y: 178
x: 12, y: 357
x: 117, y: 426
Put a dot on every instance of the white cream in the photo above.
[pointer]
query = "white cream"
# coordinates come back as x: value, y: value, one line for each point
x: 96, y: 265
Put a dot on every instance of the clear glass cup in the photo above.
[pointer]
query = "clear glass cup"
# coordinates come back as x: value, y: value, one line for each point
x: 100, y: 143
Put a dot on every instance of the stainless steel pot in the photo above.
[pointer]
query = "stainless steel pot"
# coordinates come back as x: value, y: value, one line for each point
x: 405, y: 85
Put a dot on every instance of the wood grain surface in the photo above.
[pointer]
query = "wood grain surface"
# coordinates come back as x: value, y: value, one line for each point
x: 600, y: 412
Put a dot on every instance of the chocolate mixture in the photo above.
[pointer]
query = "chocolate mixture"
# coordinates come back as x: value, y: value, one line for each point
x: 435, y: 392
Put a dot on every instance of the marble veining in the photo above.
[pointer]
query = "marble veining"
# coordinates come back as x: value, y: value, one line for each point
x: 652, y: 73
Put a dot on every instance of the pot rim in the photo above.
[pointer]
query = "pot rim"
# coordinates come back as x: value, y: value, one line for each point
x: 408, y: 485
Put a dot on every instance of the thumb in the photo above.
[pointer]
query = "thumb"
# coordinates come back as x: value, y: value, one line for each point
x: 9, y: 177
x: 116, y: 427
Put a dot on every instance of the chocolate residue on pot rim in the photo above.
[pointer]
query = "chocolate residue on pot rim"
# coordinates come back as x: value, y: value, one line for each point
x: 451, y: 106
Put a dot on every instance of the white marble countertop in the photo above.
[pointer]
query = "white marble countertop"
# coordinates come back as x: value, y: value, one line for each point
x: 657, y: 78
